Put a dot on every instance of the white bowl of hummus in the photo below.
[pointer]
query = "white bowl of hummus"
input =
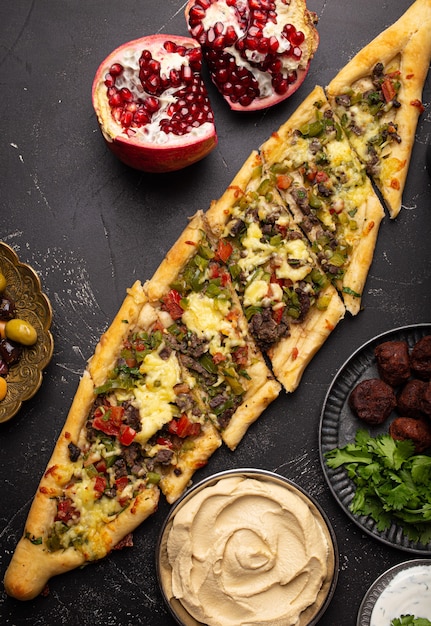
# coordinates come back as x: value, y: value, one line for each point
x: 246, y: 547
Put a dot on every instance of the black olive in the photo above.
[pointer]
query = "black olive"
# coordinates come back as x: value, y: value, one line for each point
x: 3, y: 368
x: 10, y: 352
x: 7, y: 308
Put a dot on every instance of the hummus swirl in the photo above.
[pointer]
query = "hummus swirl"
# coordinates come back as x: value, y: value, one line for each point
x: 247, y: 551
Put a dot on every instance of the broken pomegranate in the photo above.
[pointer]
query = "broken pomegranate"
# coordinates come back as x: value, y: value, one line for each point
x: 152, y: 104
x: 258, y: 51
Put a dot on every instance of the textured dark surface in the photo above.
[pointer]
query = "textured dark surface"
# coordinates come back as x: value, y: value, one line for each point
x: 91, y: 227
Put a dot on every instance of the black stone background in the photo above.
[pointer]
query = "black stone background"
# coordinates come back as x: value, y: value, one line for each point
x: 91, y: 226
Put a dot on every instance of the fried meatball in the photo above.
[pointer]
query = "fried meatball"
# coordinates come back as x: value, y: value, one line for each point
x: 426, y: 399
x: 393, y: 362
x: 410, y: 398
x: 418, y: 430
x: 372, y: 400
x: 420, y: 358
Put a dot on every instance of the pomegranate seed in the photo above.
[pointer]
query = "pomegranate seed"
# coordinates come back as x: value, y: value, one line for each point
x: 170, y: 46
x: 296, y: 53
x: 273, y: 44
x: 126, y: 119
x: 115, y: 100
x: 288, y: 30
x: 151, y: 104
x: 116, y: 69
x: 263, y: 45
x: 297, y: 38
x: 109, y: 80
x: 141, y: 118
x: 196, y: 14
x: 219, y: 42
x: 175, y: 78
x: 126, y: 94
x: 230, y: 36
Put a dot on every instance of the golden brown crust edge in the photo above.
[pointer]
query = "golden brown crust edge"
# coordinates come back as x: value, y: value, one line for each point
x: 262, y: 388
x: 409, y: 37
x: 32, y: 565
x: 290, y: 357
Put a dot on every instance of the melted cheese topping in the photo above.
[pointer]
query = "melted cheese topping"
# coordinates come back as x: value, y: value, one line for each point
x: 207, y: 317
x: 154, y: 397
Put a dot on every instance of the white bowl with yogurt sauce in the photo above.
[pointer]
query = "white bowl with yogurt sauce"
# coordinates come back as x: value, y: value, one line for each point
x: 404, y: 589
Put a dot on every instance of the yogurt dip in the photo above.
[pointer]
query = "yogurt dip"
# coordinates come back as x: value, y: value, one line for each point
x: 245, y: 551
x: 408, y: 593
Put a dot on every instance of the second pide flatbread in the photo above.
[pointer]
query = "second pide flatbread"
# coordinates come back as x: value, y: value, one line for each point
x: 377, y: 97
x: 325, y: 187
x: 206, y: 326
x: 80, y: 512
x: 284, y: 293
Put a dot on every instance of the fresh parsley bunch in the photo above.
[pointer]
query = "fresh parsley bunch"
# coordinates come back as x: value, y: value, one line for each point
x: 410, y: 620
x: 392, y: 482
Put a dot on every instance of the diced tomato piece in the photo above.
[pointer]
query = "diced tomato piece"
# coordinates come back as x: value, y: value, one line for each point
x: 99, y: 484
x: 108, y: 419
x: 121, y: 483
x: 164, y: 441
x: 183, y: 427
x: 274, y: 279
x: 388, y: 90
x: 240, y: 355
x: 65, y: 511
x: 158, y: 326
x: 225, y: 278
x: 283, y: 181
x: 101, y: 466
x: 224, y: 250
x: 127, y: 434
x: 277, y: 315
x: 194, y: 429
x: 171, y: 303
x: 218, y: 357
x: 321, y: 176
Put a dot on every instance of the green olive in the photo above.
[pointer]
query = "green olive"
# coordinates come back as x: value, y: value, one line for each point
x: 2, y: 282
x: 21, y: 331
x: 3, y: 388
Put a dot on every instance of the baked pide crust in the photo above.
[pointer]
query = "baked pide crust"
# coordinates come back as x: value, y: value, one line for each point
x: 404, y: 46
x: 32, y: 565
x: 368, y: 211
x: 261, y: 388
x: 290, y: 355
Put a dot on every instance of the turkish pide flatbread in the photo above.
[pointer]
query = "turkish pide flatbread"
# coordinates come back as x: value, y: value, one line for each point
x: 378, y: 98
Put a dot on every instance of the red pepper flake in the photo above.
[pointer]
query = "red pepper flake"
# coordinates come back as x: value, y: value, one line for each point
x: 237, y: 190
x: 409, y: 76
x: 395, y: 184
x: 50, y: 470
x: 190, y: 243
x: 369, y: 227
x: 295, y: 353
x: 418, y: 104
x: 67, y: 435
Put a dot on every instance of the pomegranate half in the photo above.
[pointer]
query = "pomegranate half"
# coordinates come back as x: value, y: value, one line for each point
x: 152, y: 104
x: 258, y: 51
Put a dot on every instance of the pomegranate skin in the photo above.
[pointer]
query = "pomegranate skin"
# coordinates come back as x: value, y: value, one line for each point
x: 258, y: 51
x: 146, y: 147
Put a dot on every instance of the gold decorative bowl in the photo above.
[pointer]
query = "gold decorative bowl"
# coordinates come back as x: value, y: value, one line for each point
x: 24, y: 286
